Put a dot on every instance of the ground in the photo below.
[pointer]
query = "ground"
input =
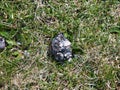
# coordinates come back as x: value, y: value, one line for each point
x: 92, y: 26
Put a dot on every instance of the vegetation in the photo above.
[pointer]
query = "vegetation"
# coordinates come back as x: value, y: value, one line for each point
x: 92, y: 26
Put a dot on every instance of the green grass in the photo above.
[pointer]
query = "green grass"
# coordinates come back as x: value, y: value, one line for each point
x: 92, y: 26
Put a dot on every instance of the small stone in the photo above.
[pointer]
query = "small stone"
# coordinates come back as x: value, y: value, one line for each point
x: 2, y: 43
x: 26, y: 53
x: 60, y: 48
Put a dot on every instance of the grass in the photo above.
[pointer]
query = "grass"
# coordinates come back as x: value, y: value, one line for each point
x: 92, y: 26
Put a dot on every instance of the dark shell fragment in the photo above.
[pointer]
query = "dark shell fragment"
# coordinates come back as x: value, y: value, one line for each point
x: 60, y: 48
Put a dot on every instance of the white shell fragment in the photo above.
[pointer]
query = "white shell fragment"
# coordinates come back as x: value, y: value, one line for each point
x: 60, y: 48
x: 67, y: 43
x: 2, y: 43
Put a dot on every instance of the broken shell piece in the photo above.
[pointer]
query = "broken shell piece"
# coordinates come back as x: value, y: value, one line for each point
x: 60, y: 48
x: 2, y: 43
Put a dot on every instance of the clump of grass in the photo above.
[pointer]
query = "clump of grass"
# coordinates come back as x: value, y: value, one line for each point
x: 91, y: 26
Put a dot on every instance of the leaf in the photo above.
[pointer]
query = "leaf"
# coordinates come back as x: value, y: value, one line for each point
x: 11, y: 42
x: 4, y: 34
x: 115, y: 30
